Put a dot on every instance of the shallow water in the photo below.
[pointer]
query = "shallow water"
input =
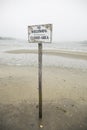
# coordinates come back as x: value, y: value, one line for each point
x: 48, y: 60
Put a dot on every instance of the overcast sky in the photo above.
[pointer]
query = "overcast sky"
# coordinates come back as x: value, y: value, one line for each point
x: 69, y: 18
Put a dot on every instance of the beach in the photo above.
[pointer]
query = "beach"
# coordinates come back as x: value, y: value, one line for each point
x: 69, y: 54
x: 64, y: 93
x: 43, y: 65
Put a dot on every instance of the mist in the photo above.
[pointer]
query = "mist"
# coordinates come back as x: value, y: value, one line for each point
x: 69, y: 18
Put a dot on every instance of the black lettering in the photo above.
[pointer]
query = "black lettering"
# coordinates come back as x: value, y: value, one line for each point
x: 45, y: 37
x: 39, y: 31
x: 37, y: 37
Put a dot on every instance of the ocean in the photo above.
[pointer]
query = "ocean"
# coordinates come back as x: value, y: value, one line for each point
x: 48, y: 60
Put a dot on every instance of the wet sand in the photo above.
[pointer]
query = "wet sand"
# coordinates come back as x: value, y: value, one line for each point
x: 64, y: 98
x: 73, y: 54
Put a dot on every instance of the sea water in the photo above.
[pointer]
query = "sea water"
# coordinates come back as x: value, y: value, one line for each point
x: 25, y: 59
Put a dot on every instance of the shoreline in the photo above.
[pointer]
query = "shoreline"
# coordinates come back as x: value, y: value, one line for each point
x: 68, y: 54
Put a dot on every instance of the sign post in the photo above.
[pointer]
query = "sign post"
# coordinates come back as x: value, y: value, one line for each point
x: 39, y: 34
x: 40, y: 78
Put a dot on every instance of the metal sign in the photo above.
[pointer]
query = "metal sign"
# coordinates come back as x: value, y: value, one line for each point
x: 40, y: 33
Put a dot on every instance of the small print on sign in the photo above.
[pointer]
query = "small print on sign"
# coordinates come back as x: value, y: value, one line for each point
x: 40, y: 33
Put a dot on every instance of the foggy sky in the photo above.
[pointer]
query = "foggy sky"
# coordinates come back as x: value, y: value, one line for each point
x: 69, y: 18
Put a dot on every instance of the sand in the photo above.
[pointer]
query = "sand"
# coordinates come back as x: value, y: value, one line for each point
x: 64, y: 98
x: 73, y: 54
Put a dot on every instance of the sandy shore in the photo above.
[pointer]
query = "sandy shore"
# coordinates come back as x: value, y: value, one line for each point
x: 64, y: 98
x: 80, y: 55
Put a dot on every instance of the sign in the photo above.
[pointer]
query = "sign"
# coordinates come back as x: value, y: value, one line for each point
x: 40, y: 33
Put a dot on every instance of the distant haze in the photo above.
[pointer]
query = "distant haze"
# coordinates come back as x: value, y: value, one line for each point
x: 69, y: 18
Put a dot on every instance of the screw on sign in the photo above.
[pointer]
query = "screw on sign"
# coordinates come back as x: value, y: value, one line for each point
x: 40, y: 34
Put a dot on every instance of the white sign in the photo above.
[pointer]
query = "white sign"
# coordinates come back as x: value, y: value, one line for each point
x: 40, y: 33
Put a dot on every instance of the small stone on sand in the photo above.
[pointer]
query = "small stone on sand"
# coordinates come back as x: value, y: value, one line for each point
x: 41, y: 126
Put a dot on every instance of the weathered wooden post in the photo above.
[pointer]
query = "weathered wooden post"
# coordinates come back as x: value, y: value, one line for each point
x: 39, y: 34
x: 40, y: 78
